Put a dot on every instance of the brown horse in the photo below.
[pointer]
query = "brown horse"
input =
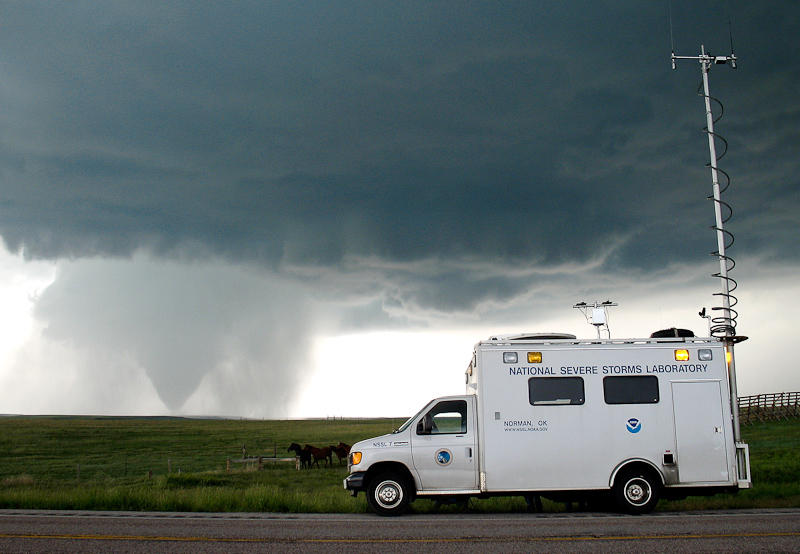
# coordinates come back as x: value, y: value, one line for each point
x: 318, y: 454
x: 342, y: 451
x: 304, y: 455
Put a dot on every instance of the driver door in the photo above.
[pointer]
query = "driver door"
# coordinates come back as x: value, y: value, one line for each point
x: 443, y: 446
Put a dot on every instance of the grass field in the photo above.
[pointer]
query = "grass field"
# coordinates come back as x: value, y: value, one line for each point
x: 174, y: 464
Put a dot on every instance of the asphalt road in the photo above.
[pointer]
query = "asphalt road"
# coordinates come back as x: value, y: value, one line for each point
x: 33, y: 532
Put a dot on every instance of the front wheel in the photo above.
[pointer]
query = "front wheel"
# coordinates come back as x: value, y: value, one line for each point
x: 388, y: 494
x: 637, y: 491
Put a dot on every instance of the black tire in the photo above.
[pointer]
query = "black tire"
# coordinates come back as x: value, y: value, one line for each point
x: 388, y: 494
x: 637, y: 491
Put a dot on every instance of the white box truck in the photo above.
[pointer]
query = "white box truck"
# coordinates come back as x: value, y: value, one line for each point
x: 548, y: 415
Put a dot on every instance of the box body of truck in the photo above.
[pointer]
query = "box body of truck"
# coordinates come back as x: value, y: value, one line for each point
x: 549, y: 415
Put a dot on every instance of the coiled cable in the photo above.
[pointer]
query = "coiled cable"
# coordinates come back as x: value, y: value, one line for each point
x: 723, y: 325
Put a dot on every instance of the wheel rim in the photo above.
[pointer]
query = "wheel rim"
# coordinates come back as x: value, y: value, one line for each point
x: 638, y: 491
x: 389, y: 494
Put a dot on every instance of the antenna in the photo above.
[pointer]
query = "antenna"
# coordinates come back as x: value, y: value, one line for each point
x: 671, y: 36
x: 730, y: 35
x: 726, y: 324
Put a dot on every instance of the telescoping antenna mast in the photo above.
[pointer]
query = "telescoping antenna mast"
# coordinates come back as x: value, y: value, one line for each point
x: 724, y: 326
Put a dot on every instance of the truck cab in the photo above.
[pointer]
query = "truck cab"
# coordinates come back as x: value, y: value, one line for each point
x: 432, y: 453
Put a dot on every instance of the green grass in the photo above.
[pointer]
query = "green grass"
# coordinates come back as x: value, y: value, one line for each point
x: 174, y: 464
x: 52, y: 448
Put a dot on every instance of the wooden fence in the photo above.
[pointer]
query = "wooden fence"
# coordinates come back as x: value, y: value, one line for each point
x: 259, y: 461
x: 762, y: 407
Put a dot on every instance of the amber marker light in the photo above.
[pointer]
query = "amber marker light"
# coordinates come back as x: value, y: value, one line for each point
x: 534, y: 357
x: 681, y: 355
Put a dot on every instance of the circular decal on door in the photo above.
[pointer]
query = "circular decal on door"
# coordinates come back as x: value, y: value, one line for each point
x: 444, y: 457
x: 634, y: 425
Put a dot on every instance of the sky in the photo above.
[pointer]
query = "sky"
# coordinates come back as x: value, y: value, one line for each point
x: 315, y: 209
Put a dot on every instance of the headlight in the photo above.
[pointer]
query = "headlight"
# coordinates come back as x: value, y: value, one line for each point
x: 355, y: 458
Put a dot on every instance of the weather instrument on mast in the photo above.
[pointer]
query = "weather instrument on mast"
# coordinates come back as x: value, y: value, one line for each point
x: 596, y: 313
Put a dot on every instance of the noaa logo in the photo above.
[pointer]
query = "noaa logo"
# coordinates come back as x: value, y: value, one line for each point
x: 634, y: 425
x: 443, y: 457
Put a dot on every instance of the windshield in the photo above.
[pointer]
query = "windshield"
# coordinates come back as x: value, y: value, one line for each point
x: 408, y: 422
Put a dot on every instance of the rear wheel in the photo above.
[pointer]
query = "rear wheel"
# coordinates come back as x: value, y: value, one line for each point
x: 388, y: 494
x: 637, y: 491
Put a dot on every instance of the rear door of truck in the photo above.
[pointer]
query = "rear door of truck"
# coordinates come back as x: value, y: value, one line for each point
x: 700, y: 433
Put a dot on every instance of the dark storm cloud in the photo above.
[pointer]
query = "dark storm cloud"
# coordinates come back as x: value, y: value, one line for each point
x: 303, y: 133
x: 221, y: 184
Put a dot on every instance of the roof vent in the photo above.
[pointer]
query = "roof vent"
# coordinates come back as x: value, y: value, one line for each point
x: 672, y: 332
x: 534, y: 336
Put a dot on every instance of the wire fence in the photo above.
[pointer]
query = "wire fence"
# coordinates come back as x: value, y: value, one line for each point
x: 763, y: 407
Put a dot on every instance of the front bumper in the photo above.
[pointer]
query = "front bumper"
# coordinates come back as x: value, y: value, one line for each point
x: 355, y: 482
